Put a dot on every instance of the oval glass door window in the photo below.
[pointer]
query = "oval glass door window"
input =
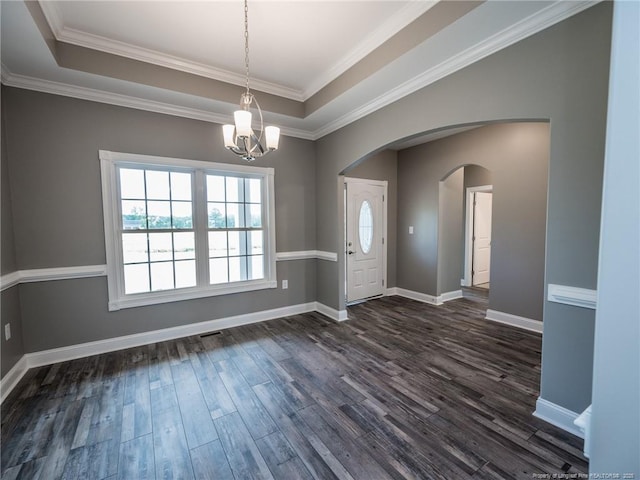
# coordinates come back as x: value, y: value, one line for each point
x: 365, y: 227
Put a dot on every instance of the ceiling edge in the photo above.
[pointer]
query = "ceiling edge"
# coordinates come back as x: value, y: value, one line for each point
x: 97, y: 42
x: 399, y: 21
x: 66, y: 90
x: 554, y: 13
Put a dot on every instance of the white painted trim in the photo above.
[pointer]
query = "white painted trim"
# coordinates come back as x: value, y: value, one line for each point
x: 118, y: 298
x: 420, y: 297
x: 307, y: 254
x: 47, y: 357
x: 76, y: 37
x: 468, y: 233
x: 86, y: 271
x: 62, y: 273
x: 48, y: 274
x: 67, y: 90
x: 332, y: 313
x: 127, y: 50
x: 445, y: 297
x: 393, y: 25
x: 71, y: 352
x: 12, y: 377
x: 514, y: 321
x: 9, y: 280
x: 554, y: 13
x: 583, y: 422
x: 330, y: 256
x: 425, y: 297
x: 558, y: 416
x: 578, y: 297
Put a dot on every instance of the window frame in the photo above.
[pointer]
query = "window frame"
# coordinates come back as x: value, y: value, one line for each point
x: 118, y: 299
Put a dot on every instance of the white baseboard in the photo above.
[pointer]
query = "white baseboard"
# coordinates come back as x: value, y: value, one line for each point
x: 558, y: 416
x: 332, y: 313
x: 63, y: 354
x: 13, y: 376
x: 445, y: 297
x: 420, y: 297
x: 425, y: 297
x: 514, y: 321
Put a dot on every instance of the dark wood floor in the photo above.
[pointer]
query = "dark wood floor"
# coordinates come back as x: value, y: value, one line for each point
x: 402, y: 390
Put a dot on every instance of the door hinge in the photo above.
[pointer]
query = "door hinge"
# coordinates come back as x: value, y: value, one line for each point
x: 383, y: 283
x: 383, y: 198
x: 383, y: 240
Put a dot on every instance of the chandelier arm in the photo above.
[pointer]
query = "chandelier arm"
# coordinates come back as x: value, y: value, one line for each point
x: 249, y: 147
x: 259, y: 139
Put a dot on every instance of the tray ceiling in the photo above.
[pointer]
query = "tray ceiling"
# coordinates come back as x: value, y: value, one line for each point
x: 315, y: 65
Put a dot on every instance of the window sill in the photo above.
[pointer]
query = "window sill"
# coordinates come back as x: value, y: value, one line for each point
x: 144, y: 299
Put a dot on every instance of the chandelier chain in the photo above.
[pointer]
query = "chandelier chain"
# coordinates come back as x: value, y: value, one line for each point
x: 246, y: 41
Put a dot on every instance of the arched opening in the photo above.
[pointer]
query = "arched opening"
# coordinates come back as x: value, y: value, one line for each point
x: 428, y: 185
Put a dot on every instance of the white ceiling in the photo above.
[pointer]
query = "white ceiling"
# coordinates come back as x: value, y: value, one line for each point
x: 296, y: 48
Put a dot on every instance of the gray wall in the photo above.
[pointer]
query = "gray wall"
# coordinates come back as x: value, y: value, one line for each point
x: 450, y: 247
x: 615, y: 420
x: 517, y: 155
x: 559, y: 74
x: 384, y: 166
x: 57, y: 206
x: 12, y: 350
x: 475, y: 176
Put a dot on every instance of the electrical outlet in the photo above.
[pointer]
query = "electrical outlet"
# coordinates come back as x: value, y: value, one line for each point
x: 285, y: 284
x: 7, y: 331
x: 411, y: 230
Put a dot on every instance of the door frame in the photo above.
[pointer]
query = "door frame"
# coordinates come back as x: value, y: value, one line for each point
x: 385, y: 202
x: 467, y: 281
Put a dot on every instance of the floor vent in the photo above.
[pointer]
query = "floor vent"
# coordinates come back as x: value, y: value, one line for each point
x: 210, y: 334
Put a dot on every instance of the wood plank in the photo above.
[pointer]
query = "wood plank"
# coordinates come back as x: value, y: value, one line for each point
x: 137, y: 459
x: 242, y: 453
x: 210, y: 462
x: 196, y: 418
x: 172, y: 459
x: 213, y: 390
x: 251, y: 410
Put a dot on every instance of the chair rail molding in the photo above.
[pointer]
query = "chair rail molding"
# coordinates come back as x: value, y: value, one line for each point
x: 578, y: 297
x: 85, y: 271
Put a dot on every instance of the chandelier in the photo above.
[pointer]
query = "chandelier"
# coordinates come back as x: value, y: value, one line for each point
x: 241, y: 138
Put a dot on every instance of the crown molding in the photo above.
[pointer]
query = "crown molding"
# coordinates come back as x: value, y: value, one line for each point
x: 58, y: 88
x: 115, y: 47
x: 123, y: 49
x: 83, y: 39
x: 554, y: 13
x: 397, y: 22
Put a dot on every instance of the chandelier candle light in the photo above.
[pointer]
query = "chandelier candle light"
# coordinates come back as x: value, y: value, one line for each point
x: 241, y: 138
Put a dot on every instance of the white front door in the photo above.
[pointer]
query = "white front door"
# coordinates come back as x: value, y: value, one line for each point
x: 482, y: 237
x: 365, y: 232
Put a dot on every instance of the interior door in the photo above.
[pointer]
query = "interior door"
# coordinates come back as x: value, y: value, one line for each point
x: 365, y: 231
x: 482, y: 237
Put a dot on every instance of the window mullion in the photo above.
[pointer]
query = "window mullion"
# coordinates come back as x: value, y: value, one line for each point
x: 200, y: 228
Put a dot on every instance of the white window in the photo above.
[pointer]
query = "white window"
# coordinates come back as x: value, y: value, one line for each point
x: 177, y: 229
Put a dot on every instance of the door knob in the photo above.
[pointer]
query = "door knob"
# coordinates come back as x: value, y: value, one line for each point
x: 350, y: 252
